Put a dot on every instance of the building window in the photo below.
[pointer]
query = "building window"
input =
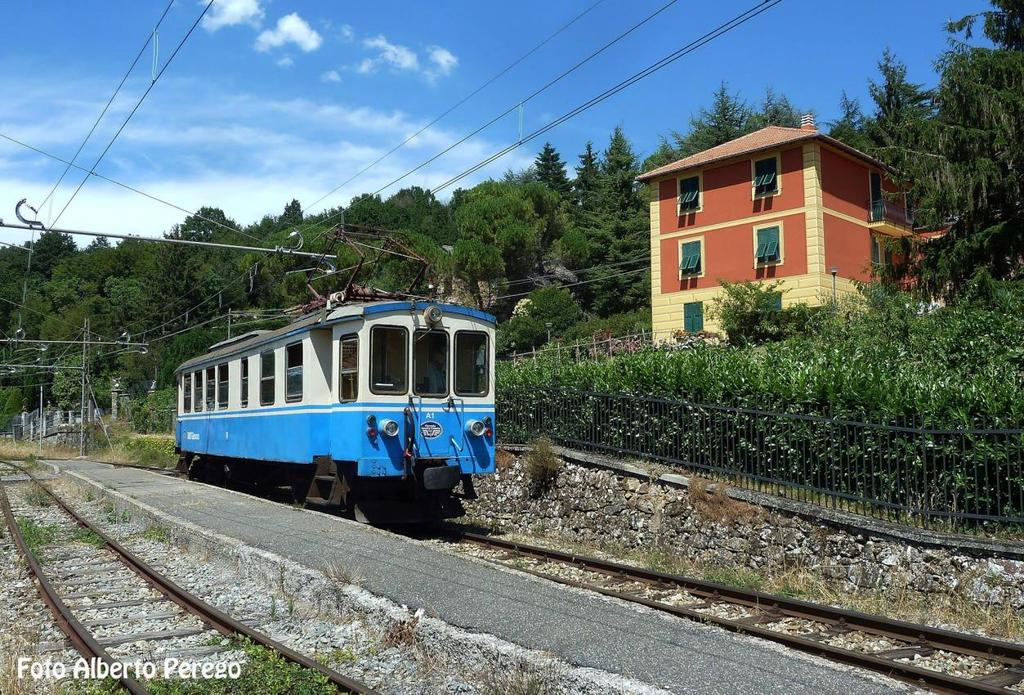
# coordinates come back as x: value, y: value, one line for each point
x: 471, y: 363
x: 766, y: 176
x: 186, y: 392
x: 777, y: 303
x: 768, y: 250
x: 197, y: 391
x: 389, y: 360
x: 211, y: 388
x: 348, y: 372
x: 877, y: 201
x: 690, y: 263
x: 222, y: 386
x: 244, y: 395
x: 293, y: 378
x: 881, y: 252
x: 689, y: 194
x: 267, y: 378
x: 430, y: 363
x: 693, y: 317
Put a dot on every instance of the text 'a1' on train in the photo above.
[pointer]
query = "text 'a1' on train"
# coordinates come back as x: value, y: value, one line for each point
x: 384, y: 409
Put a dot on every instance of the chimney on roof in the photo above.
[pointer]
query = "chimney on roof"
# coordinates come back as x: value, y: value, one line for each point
x: 807, y: 122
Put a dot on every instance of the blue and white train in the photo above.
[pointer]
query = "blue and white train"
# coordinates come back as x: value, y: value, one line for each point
x: 382, y: 408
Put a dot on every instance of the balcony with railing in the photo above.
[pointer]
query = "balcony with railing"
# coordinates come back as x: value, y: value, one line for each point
x: 887, y: 212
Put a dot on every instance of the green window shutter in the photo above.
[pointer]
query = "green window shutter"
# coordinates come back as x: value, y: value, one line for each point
x: 691, y: 261
x: 777, y: 304
x: 693, y: 317
x: 766, y: 176
x: 767, y: 245
x: 689, y: 193
x: 875, y: 255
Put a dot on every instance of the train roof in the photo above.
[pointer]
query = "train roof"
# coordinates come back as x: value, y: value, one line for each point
x: 322, y: 318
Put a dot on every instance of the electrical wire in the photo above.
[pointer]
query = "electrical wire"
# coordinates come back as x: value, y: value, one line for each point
x: 110, y: 101
x: 585, y: 281
x: 152, y: 84
x: 590, y: 269
x: 127, y: 187
x: 456, y: 105
x: 706, y: 38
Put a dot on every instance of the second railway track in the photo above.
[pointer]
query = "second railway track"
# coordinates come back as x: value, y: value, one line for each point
x: 942, y: 660
x: 105, y: 599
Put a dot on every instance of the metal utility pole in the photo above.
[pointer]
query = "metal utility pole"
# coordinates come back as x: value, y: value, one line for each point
x: 43, y: 418
x: 229, y: 323
x: 85, y: 346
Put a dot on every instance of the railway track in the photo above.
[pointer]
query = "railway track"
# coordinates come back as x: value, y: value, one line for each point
x: 96, y: 589
x: 941, y: 660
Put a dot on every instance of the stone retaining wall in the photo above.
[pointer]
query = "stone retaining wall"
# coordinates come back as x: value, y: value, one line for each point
x: 705, y: 525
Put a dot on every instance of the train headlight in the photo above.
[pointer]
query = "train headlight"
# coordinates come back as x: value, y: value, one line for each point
x: 475, y: 428
x: 389, y: 428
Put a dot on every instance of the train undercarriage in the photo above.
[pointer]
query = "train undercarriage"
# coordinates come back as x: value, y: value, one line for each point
x: 432, y: 490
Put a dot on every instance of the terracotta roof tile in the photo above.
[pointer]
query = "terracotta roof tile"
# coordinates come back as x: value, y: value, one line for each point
x: 763, y: 139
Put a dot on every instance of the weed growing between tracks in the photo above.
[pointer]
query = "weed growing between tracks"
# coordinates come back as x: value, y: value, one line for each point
x: 37, y: 535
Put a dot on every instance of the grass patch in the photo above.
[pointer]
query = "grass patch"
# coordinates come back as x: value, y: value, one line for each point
x: 517, y: 680
x: 337, y: 657
x: 157, y: 533
x: 38, y: 497
x: 264, y: 672
x: 36, y: 535
x: 88, y: 536
x: 542, y: 466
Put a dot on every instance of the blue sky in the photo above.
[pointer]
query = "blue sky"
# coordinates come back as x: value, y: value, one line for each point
x: 275, y: 99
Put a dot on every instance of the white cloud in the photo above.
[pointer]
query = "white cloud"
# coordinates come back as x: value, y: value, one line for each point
x: 202, y: 143
x: 330, y: 76
x: 285, y: 62
x: 347, y: 33
x: 290, y: 29
x: 228, y: 13
x: 443, y: 59
x: 393, y: 55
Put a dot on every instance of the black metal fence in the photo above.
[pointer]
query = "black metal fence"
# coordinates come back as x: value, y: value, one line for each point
x: 900, y: 471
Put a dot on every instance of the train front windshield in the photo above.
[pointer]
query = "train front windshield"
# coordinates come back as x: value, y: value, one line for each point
x: 430, y: 363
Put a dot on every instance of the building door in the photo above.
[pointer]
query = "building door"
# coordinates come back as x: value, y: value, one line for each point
x: 693, y: 317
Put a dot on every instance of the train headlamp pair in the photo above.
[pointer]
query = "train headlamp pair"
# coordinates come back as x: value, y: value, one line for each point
x: 388, y: 427
x: 479, y: 428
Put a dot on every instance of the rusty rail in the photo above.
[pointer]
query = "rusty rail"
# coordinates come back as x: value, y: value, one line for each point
x: 921, y: 639
x: 210, y: 615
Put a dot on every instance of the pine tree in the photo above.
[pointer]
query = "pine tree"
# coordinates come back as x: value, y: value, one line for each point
x: 617, y: 182
x: 902, y: 109
x: 585, y: 185
x: 292, y: 213
x: 850, y: 126
x: 971, y: 180
x: 728, y: 118
x: 775, y: 110
x: 551, y: 170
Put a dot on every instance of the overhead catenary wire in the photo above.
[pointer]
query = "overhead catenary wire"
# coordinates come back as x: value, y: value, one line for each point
x: 110, y: 101
x: 131, y: 113
x: 582, y: 282
x: 706, y: 38
x: 457, y: 104
x: 127, y: 187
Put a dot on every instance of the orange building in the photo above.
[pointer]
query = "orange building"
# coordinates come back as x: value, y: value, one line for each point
x: 787, y: 204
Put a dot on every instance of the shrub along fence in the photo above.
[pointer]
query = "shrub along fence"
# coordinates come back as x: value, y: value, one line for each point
x: 900, y: 471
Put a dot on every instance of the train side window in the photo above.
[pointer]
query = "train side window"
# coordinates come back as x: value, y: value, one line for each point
x: 197, y: 392
x: 430, y: 363
x: 293, y: 381
x: 267, y: 378
x: 244, y: 394
x: 471, y: 363
x: 211, y: 388
x: 348, y: 369
x: 389, y: 359
x: 222, y: 386
x: 186, y: 392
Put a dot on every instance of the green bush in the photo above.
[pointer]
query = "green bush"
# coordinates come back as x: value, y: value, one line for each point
x: 752, y: 313
x: 154, y: 413
x: 879, y: 358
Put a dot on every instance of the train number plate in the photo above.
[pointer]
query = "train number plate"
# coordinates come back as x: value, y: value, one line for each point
x: 430, y: 430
